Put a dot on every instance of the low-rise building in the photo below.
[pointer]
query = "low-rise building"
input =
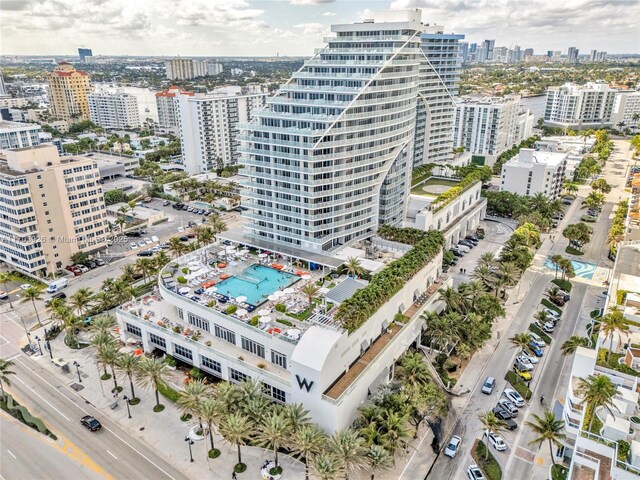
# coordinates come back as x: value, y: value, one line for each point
x: 533, y: 171
x: 18, y: 135
x: 52, y: 208
x: 141, y: 215
x: 111, y: 165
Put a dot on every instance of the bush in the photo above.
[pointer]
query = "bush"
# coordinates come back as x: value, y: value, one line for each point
x: 400, y: 318
x: 158, y: 408
x: 240, y: 467
x: 254, y: 321
x: 573, y: 251
x: 535, y: 329
x: 550, y: 306
x: 134, y: 401
x: 621, y: 296
x: 214, y: 453
x: 185, y: 270
x: 563, y: 284
x: 168, y: 392
x: 518, y: 385
x: 185, y: 417
x: 490, y: 466
x: 22, y: 414
x: 196, y: 374
x: 182, y: 280
x: 281, y: 307
x: 284, y: 322
x: 169, y: 360
x: 559, y: 472
x: 623, y: 451
x: 275, y: 471
x: 597, y: 313
x: 231, y: 309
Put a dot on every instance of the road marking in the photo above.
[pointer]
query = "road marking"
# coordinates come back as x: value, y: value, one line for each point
x: 11, y: 453
x: 13, y: 357
x: 98, y: 411
x: 43, y: 399
x: 112, y: 454
x: 5, y: 340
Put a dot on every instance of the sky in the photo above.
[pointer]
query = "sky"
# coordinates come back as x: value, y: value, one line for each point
x: 295, y: 27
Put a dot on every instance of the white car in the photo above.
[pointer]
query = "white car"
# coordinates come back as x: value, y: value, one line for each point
x: 141, y: 243
x: 452, y: 447
x: 551, y: 313
x: 507, y: 406
x: 133, y: 245
x: 548, y: 327
x: 514, y: 397
x: 154, y: 238
x: 181, y: 229
x: 82, y: 268
x: 474, y: 473
x: 147, y: 240
x: 496, y: 441
x: 24, y: 286
x: 532, y: 358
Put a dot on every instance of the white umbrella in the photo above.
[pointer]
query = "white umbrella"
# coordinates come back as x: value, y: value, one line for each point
x: 131, y: 340
x: 241, y: 299
x: 263, y: 255
x: 222, y: 253
x: 306, y: 276
x: 272, y: 297
x: 289, y: 291
x: 243, y: 252
x: 184, y: 290
x: 293, y: 333
x: 263, y: 312
x: 211, y: 290
x: 265, y: 319
x: 241, y: 312
x: 230, y: 249
x: 277, y: 294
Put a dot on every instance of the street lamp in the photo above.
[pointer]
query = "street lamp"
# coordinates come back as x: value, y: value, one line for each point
x: 187, y: 439
x: 77, y: 365
x: 39, y: 346
x: 47, y: 346
x: 126, y: 399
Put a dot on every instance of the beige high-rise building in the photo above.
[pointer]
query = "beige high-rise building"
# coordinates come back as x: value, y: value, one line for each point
x: 52, y: 208
x: 68, y: 93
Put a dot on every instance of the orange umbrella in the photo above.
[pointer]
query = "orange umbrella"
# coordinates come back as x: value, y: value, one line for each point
x: 138, y: 352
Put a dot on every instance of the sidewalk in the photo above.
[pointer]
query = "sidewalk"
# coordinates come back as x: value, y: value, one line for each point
x: 163, y: 431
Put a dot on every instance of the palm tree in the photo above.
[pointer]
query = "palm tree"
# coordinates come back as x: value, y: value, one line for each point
x: 80, y: 301
x: 547, y: 428
x: 485, y: 275
x: 153, y: 371
x: 354, y: 267
x: 451, y: 298
x: 32, y: 294
x: 216, y: 225
x: 487, y: 259
x: 396, y: 434
x: 274, y: 431
x: 128, y: 273
x: 109, y: 354
x: 211, y: 410
x: 145, y: 266
x: 348, y: 447
x: 307, y: 442
x: 236, y: 428
x: 413, y: 370
x: 520, y: 340
x: 5, y: 371
x: 195, y: 392
x: 128, y: 364
x: 490, y: 423
x: 611, y: 324
x: 102, y: 324
x: 378, y: 459
x: 161, y: 259
x: 509, y: 272
x: 542, y: 317
x: 326, y: 466
x: 5, y: 278
x: 176, y: 247
x: 571, y: 345
x: 310, y: 290
x: 597, y: 391
x: 297, y: 415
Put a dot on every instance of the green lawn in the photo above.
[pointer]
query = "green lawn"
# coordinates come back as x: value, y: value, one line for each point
x: 418, y: 189
x: 518, y: 385
x: 535, y: 329
x: 551, y: 306
x: 563, y: 284
x: 489, y: 466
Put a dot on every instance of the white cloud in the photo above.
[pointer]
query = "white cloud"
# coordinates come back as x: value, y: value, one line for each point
x: 328, y: 14
x: 311, y: 29
x: 310, y: 2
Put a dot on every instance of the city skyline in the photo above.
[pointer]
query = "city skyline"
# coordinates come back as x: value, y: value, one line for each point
x: 295, y: 27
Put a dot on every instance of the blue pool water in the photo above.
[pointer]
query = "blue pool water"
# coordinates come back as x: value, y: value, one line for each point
x: 201, y: 204
x: 582, y: 269
x: 256, y: 283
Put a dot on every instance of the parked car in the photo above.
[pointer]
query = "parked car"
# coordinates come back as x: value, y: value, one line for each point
x: 24, y: 286
x: 181, y: 229
x: 505, y: 417
x: 156, y: 249
x: 147, y: 240
x: 154, y: 238
x: 535, y: 338
x: 457, y: 253
x: 184, y: 238
x: 164, y: 246
x: 513, y: 397
x: 82, y: 268
x: 54, y: 296
x: 548, y: 327
x: 145, y: 253
x: 508, y: 406
x: 495, y: 440
x: 524, y: 367
x: 166, y: 203
x: 92, y: 265
x: 565, y: 295
x: 566, y: 201
x: 488, y: 385
x: 4, y: 295
x: 532, y: 358
x: 91, y: 423
x: 523, y: 374
x: 463, y: 248
x: 535, y: 349
x: 452, y: 447
x: 100, y: 262
x: 133, y: 245
x: 466, y: 243
x: 551, y: 313
x: 526, y: 360
x: 474, y: 473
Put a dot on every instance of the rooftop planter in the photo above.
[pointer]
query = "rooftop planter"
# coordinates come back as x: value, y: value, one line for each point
x: 450, y: 195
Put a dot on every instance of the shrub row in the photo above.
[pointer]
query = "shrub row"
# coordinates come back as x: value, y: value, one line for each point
x: 535, y: 329
x: 519, y: 385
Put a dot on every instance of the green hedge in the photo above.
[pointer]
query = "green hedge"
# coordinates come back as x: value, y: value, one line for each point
x: 356, y: 310
x: 518, y: 385
x: 559, y: 472
x: 168, y: 392
x: 535, y: 329
x: 551, y: 306
x: 563, y: 284
x: 21, y: 413
x: 489, y: 466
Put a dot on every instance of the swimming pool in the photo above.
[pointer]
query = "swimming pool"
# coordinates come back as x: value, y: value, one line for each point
x: 256, y: 283
x: 581, y: 269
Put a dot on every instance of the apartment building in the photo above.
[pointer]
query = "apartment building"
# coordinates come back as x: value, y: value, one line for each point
x: 187, y: 68
x: 626, y: 110
x: 580, y: 106
x: 438, y: 79
x: 487, y: 126
x: 117, y: 110
x: 52, y: 207
x: 208, y: 125
x: 69, y: 90
x: 167, y: 110
x: 18, y: 135
x: 533, y: 171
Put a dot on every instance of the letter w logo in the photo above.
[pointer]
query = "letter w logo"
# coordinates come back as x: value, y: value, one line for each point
x: 303, y: 383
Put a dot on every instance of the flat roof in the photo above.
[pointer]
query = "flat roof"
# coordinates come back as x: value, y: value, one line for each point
x: 344, y: 290
x: 6, y: 125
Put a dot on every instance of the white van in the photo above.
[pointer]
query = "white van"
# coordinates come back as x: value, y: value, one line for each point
x: 57, y: 285
x: 154, y: 239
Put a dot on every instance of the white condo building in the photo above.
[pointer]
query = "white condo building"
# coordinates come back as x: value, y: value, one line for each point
x: 188, y: 68
x: 208, y: 126
x: 487, y: 126
x: 533, y: 171
x: 167, y: 107
x: 114, y: 110
x: 626, y: 110
x: 18, y: 135
x: 582, y: 106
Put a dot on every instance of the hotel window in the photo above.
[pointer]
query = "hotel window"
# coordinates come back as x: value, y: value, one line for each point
x: 157, y: 340
x: 183, y: 352
x: 274, y: 393
x: 237, y: 376
x: 210, y: 364
x: 279, y: 359
x: 225, y: 334
x: 253, y: 347
x: 131, y: 328
x: 198, y: 322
